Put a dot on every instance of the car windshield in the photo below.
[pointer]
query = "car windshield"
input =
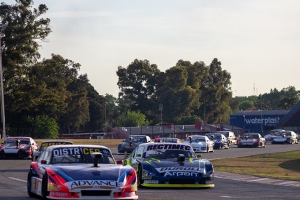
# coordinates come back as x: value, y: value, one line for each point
x: 9, y: 143
x: 288, y: 134
x: 251, y: 135
x: 197, y: 139
x: 226, y: 134
x: 217, y: 137
x: 44, y: 145
x: 13, y: 142
x: 26, y: 142
x: 173, y: 140
x: 80, y: 155
x: 136, y: 139
x: 160, y: 154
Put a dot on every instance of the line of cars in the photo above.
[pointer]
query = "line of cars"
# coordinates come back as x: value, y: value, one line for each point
x: 62, y: 170
x: 280, y: 136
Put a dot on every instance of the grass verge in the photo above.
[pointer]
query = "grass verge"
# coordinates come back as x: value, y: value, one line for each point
x: 278, y: 165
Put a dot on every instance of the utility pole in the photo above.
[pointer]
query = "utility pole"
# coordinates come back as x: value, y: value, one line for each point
x: 2, y: 28
x: 161, y: 109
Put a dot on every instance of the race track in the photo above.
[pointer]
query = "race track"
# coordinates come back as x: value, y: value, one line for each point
x: 13, y: 175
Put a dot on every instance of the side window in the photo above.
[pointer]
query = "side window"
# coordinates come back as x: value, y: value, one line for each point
x: 132, y: 153
x: 45, y: 156
x: 139, y: 151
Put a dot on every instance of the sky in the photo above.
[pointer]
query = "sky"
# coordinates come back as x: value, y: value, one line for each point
x: 256, y: 41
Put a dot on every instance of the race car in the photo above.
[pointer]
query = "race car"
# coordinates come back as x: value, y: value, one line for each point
x: 47, y: 143
x: 166, y: 139
x: 131, y: 142
x: 288, y: 137
x: 18, y: 147
x: 200, y: 143
x: 220, y: 140
x: 251, y: 140
x: 80, y: 172
x: 170, y: 165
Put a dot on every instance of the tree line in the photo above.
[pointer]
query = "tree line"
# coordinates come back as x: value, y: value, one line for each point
x: 48, y: 97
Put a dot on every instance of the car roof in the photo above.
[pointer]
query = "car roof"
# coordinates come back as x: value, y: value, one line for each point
x: 137, y: 135
x: 197, y: 136
x: 49, y: 141
x: 76, y: 145
x: 165, y: 143
x: 18, y: 138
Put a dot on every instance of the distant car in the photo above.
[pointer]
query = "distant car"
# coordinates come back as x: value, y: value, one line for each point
x: 131, y: 142
x: 46, y: 144
x: 220, y: 141
x: 165, y: 139
x: 170, y: 165
x: 251, y: 140
x: 80, y: 172
x: 273, y: 133
x: 288, y: 137
x: 230, y: 136
x: 200, y: 143
x: 18, y: 147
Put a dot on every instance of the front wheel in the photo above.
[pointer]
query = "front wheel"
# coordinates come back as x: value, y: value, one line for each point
x: 140, y: 179
x: 45, y: 186
x: 29, y: 183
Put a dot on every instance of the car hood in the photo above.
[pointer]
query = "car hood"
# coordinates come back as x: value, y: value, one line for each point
x: 249, y: 138
x: 174, y: 163
x: 88, y: 172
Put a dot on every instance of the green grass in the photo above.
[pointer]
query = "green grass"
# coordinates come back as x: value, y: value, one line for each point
x: 279, y: 165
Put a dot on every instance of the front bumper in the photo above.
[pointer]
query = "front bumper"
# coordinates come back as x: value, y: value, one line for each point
x: 209, y: 185
x: 19, y: 154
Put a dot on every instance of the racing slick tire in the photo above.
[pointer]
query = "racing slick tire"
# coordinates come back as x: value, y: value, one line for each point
x: 29, y: 185
x: 45, y: 186
x: 140, y: 180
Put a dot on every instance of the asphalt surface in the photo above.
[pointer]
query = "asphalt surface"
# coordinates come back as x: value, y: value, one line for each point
x: 13, y: 174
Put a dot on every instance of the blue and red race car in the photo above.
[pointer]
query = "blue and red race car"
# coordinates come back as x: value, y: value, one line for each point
x: 170, y: 165
x: 80, y: 172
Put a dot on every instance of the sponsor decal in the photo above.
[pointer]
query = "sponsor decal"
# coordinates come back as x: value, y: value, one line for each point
x: 77, y: 151
x: 53, y: 143
x: 169, y: 146
x: 59, y: 194
x: 265, y: 121
x: 181, y: 174
x: 95, y: 183
x: 17, y: 138
x: 165, y: 169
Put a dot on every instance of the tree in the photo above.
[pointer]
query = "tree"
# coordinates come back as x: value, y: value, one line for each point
x: 216, y: 95
x: 45, y: 127
x: 138, y: 83
x: 246, y: 104
x: 132, y: 118
x: 178, y: 98
x: 25, y: 29
x: 289, y: 98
